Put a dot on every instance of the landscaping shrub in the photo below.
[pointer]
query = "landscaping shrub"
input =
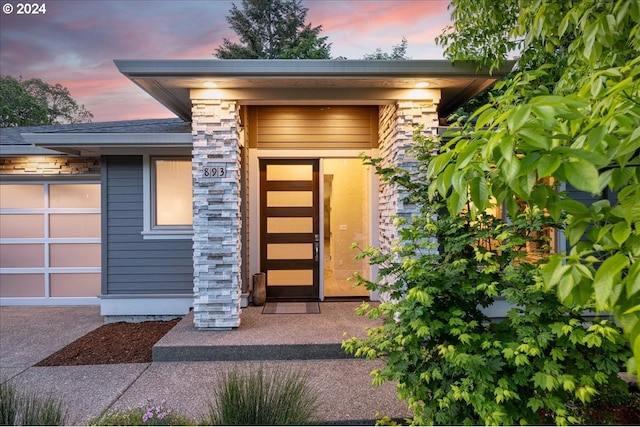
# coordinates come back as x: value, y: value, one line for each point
x: 255, y: 396
x: 147, y: 415
x: 20, y: 407
x: 455, y: 365
x: 8, y: 403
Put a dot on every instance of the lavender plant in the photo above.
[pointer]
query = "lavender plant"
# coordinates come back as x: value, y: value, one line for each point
x: 155, y: 414
x: 150, y: 414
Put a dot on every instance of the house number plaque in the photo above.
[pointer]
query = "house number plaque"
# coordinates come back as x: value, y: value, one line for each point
x: 215, y: 172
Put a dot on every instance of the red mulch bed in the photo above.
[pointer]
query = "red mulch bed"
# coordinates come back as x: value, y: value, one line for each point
x: 112, y: 343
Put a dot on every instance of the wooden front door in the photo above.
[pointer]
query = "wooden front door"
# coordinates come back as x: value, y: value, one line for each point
x: 290, y: 228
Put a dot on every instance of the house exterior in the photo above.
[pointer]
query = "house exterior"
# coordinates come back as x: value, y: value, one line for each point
x: 259, y: 173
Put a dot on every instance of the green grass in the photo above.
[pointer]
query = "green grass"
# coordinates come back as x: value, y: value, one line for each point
x: 22, y: 407
x: 254, y: 396
x: 8, y: 403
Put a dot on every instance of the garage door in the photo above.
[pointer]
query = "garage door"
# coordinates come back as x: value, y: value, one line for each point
x: 49, y: 243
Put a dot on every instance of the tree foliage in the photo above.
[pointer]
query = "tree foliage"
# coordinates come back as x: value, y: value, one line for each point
x: 570, y: 120
x: 17, y: 106
x: 398, y: 51
x: 35, y: 102
x: 273, y: 29
x: 452, y: 363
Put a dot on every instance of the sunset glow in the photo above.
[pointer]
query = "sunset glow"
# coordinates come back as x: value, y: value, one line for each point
x: 75, y: 42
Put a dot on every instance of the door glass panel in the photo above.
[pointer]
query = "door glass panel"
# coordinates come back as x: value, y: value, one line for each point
x: 290, y: 278
x: 74, y: 196
x: 290, y: 251
x: 289, y: 172
x: 21, y: 226
x: 18, y: 196
x: 292, y: 199
x: 289, y: 225
x: 346, y: 221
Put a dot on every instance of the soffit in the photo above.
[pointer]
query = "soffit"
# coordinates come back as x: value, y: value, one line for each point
x: 268, y: 81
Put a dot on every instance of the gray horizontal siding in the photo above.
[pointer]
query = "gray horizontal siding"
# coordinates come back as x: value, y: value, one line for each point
x: 132, y: 265
x: 588, y: 199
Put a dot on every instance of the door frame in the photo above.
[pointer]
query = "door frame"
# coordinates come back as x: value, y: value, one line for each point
x: 252, y: 217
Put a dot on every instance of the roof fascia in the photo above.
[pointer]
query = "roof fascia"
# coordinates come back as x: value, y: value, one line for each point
x: 25, y: 150
x: 301, y: 68
x: 99, y: 140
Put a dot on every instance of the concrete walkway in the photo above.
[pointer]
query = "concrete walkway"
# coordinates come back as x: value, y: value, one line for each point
x: 29, y: 334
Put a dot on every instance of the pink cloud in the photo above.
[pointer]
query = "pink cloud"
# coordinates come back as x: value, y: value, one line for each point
x: 76, y: 42
x: 370, y: 17
x: 363, y: 26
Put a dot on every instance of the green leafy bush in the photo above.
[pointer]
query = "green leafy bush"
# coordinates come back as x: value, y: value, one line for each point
x: 569, y: 113
x: 20, y: 407
x: 254, y: 396
x: 147, y: 415
x: 453, y: 364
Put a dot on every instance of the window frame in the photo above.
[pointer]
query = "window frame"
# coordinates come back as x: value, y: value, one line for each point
x: 150, y: 229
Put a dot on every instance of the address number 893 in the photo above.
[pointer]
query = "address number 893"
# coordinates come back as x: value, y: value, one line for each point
x: 215, y: 172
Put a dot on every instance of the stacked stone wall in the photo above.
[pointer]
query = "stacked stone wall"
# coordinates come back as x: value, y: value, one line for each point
x: 397, y: 124
x: 216, y: 214
x: 49, y: 165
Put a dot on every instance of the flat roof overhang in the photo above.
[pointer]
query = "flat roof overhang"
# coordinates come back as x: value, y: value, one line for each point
x: 255, y: 82
x: 96, y: 144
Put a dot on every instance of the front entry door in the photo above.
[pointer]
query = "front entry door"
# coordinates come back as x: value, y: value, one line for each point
x: 290, y: 228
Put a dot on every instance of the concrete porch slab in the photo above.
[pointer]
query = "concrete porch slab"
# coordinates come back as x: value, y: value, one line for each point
x: 267, y: 336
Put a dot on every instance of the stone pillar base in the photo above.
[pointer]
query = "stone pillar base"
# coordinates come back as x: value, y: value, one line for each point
x: 217, y: 223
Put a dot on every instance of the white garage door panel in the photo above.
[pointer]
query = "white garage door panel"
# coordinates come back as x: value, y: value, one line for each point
x: 21, y: 226
x: 21, y: 196
x: 49, y: 243
x: 21, y: 255
x: 21, y: 285
x: 74, y: 225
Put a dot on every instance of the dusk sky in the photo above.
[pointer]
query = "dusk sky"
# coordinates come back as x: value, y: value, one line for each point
x: 75, y: 42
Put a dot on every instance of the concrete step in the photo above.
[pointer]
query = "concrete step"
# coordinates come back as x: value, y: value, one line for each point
x: 237, y: 353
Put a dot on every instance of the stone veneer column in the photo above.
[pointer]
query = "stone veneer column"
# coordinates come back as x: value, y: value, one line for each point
x: 397, y: 124
x: 216, y: 215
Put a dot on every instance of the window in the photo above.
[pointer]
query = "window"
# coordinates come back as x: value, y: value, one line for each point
x: 168, y: 198
x: 172, y: 190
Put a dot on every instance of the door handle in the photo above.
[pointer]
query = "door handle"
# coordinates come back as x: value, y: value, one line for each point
x: 316, y: 247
